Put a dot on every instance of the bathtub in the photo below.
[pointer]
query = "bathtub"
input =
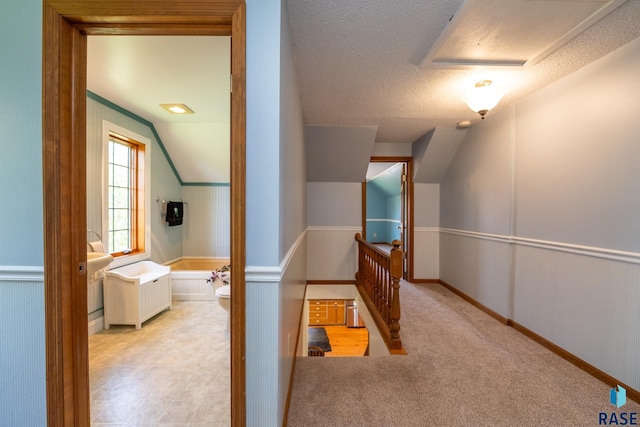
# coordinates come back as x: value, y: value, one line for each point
x: 189, y: 278
x: 135, y: 293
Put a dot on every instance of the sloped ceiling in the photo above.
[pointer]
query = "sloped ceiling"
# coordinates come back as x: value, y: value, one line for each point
x: 388, y: 180
x: 138, y: 73
x: 338, y: 154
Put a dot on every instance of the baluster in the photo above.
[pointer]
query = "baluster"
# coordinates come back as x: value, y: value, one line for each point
x: 379, y: 275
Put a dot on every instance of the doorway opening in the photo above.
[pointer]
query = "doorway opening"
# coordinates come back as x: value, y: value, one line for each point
x: 65, y: 29
x: 387, y: 207
x: 127, y: 79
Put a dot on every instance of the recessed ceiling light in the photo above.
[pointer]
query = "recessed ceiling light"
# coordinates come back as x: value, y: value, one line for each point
x: 177, y: 108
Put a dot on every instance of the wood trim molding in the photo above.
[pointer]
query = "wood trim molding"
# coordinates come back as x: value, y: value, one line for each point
x: 475, y: 303
x: 425, y: 281
x: 410, y: 208
x: 64, y: 195
x: 66, y: 23
x: 238, y: 216
x: 301, y: 321
x: 570, y: 357
x: 364, y: 209
x: 331, y: 282
x: 575, y: 360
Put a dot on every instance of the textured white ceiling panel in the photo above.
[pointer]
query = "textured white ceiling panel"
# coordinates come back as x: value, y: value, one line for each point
x: 359, y: 64
x: 512, y: 32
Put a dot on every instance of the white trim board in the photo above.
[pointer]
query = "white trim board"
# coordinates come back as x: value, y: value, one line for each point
x: 21, y: 273
x: 274, y: 274
x: 604, y: 253
x: 355, y: 229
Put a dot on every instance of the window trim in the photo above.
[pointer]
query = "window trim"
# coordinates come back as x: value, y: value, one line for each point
x: 145, y: 254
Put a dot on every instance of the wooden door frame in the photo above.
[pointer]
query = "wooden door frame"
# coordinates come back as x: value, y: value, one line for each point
x: 66, y: 24
x: 407, y: 275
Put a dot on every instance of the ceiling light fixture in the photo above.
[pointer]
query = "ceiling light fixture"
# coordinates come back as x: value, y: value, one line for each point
x: 177, y: 108
x: 483, y: 97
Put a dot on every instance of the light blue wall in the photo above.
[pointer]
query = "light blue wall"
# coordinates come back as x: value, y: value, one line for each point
x: 21, y: 133
x: 293, y: 222
x: 376, y: 210
x: 383, y: 207
x: 293, y: 165
x: 22, y: 340
x: 393, y: 214
x: 263, y: 132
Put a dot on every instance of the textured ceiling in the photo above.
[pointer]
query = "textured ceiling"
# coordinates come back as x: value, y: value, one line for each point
x: 359, y: 63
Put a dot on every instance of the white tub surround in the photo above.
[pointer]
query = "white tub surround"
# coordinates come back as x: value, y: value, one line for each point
x: 189, y: 278
x: 135, y: 293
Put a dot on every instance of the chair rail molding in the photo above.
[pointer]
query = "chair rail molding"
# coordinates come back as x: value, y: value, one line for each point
x: 355, y: 228
x: 21, y: 273
x: 592, y: 251
x: 270, y: 274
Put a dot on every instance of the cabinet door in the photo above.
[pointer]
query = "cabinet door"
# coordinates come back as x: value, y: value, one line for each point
x: 335, y: 312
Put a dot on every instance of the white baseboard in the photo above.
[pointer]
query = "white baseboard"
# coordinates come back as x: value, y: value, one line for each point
x: 96, y: 325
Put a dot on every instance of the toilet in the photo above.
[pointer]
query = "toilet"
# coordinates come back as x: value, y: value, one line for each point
x: 223, y: 295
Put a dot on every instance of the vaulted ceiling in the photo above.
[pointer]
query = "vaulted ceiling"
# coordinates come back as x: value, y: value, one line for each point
x: 401, y: 68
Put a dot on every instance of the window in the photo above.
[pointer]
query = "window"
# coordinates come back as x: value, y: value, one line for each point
x: 124, y: 200
x: 125, y: 214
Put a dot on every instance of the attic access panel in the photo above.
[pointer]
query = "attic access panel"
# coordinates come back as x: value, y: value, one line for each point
x: 512, y: 33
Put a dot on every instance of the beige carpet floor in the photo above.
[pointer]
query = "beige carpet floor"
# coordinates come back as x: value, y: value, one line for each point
x: 463, y: 368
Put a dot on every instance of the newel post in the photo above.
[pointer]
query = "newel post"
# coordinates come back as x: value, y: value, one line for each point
x: 395, y: 269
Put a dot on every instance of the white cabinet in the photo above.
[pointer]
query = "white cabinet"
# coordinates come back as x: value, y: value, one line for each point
x: 135, y: 293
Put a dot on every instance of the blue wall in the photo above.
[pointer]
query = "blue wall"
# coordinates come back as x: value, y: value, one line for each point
x: 21, y: 133
x: 22, y: 340
x: 376, y: 210
x: 383, y: 207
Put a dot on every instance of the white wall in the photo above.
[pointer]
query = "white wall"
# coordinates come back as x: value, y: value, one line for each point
x: 426, y: 236
x: 387, y: 149
x: 206, y: 229
x: 166, y: 242
x: 539, y: 214
x: 334, y: 216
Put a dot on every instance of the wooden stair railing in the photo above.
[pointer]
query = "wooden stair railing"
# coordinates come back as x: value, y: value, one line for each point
x: 378, y: 281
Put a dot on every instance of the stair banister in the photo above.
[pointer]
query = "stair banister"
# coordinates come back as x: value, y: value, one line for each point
x: 378, y: 281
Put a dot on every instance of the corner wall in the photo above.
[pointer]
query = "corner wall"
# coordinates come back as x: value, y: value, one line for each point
x: 539, y: 214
